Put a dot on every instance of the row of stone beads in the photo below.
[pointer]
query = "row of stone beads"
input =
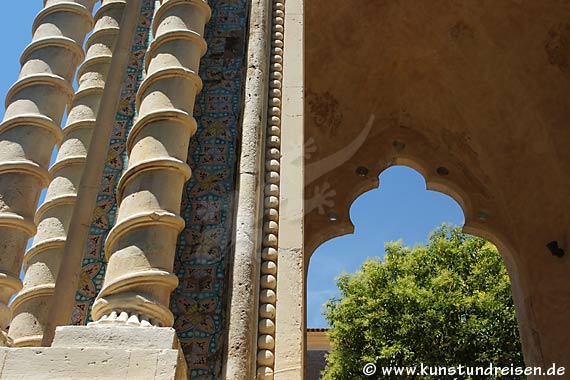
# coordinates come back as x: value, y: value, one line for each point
x: 268, y: 282
x: 141, y: 246
x: 31, y: 127
x: 42, y: 261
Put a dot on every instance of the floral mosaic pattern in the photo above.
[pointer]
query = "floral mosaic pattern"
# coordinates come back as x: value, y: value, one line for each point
x: 94, y: 264
x: 203, y: 247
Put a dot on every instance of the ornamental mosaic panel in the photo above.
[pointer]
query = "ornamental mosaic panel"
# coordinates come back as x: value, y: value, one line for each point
x: 199, y: 302
x: 104, y: 215
x: 203, y: 247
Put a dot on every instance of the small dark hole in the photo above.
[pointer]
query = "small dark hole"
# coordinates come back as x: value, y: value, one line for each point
x: 362, y: 171
x: 398, y: 145
x: 442, y: 170
x: 555, y: 249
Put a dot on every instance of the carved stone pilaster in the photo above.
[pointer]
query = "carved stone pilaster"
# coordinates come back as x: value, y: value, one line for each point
x: 140, y: 248
x: 30, y: 129
x: 42, y: 262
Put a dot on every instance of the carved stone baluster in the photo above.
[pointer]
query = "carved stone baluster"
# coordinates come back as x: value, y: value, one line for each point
x: 140, y: 248
x: 31, y: 127
x: 42, y: 262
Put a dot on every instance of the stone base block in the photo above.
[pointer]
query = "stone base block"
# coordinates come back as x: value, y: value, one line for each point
x: 99, y: 353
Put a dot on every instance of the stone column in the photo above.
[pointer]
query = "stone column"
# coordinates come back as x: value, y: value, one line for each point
x: 42, y: 262
x: 245, y: 264
x: 140, y: 248
x: 30, y: 129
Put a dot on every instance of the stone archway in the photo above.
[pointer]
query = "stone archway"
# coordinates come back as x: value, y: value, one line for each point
x: 473, y: 96
x: 379, y: 216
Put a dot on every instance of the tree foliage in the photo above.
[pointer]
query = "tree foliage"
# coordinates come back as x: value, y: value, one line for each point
x: 443, y: 304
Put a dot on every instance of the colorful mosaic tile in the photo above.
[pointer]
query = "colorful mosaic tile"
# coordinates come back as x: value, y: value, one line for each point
x: 203, y: 249
x: 94, y: 264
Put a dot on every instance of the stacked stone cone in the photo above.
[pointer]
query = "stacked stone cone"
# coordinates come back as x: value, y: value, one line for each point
x: 140, y: 248
x: 268, y: 281
x: 41, y: 263
x: 31, y: 127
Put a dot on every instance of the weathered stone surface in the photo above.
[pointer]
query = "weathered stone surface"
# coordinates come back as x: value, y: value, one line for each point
x: 239, y: 361
x: 61, y: 363
x: 43, y: 260
x: 479, y: 106
x: 473, y: 95
x: 99, y: 353
x: 140, y: 247
x: 34, y: 109
x: 117, y: 337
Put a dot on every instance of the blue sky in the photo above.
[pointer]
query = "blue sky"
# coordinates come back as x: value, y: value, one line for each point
x: 400, y: 209
x: 16, y: 20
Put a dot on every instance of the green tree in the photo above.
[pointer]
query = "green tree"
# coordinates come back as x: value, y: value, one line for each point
x: 444, y: 304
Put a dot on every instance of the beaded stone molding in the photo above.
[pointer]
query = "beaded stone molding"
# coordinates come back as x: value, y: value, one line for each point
x: 268, y: 280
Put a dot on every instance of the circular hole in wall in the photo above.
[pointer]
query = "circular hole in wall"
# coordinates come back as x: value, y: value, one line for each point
x: 362, y: 171
x: 442, y: 170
